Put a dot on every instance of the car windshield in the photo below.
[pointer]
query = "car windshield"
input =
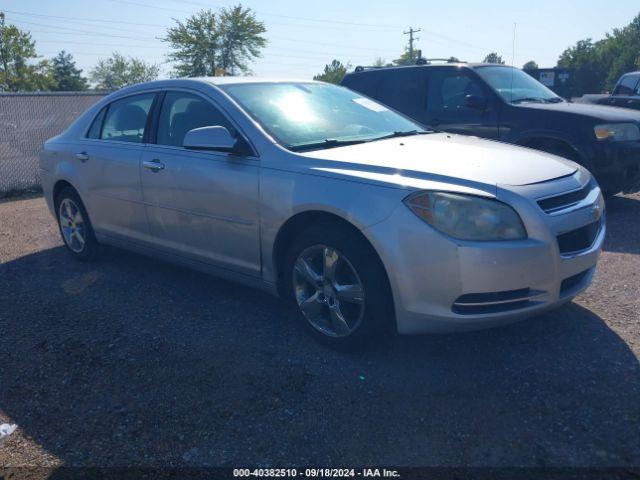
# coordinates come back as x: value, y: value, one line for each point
x: 516, y: 86
x: 312, y: 116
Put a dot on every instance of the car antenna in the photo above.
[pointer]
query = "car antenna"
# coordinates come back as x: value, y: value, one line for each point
x: 513, y: 59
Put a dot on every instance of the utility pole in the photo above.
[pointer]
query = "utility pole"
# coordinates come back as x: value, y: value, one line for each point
x: 411, y: 40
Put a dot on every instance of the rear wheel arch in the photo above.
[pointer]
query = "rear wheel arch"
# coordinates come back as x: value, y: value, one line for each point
x: 59, y: 186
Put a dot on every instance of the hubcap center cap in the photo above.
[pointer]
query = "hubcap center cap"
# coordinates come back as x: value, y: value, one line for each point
x: 329, y: 294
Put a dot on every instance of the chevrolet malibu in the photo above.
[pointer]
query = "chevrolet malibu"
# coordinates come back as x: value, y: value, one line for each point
x: 361, y: 217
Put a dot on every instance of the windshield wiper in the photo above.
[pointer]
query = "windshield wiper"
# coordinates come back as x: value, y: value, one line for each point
x: 528, y: 99
x: 407, y: 133
x: 334, y: 142
x: 326, y: 143
x: 538, y: 99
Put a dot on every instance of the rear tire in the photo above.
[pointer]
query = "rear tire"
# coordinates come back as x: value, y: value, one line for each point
x: 337, y: 284
x: 74, y: 224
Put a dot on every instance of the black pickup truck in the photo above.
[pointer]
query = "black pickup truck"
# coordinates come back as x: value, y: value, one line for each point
x: 626, y: 93
x: 504, y: 103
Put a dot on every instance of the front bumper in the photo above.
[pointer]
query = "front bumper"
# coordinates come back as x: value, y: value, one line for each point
x: 441, y: 285
x: 616, y: 165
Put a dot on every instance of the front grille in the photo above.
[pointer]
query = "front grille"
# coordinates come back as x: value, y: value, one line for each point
x: 573, y: 281
x: 566, y: 200
x: 579, y: 239
x: 495, y: 302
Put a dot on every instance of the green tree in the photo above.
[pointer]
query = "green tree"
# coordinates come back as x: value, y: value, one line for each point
x: 530, y: 65
x: 210, y: 44
x: 620, y: 52
x: 493, y: 57
x: 405, y: 59
x: 17, y: 72
x: 119, y: 71
x: 588, y: 69
x: 333, y: 72
x: 596, y: 66
x: 64, y: 74
x: 379, y: 62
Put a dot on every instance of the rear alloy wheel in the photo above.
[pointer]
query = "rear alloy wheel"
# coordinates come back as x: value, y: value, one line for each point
x: 72, y: 225
x: 338, y: 285
x: 75, y: 226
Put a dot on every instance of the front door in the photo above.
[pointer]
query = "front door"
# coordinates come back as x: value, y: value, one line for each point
x: 200, y: 204
x: 458, y: 102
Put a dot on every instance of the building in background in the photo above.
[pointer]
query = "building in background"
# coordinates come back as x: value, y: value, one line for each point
x: 557, y: 79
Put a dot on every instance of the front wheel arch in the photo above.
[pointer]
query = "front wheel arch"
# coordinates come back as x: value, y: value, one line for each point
x: 555, y: 146
x: 297, y: 224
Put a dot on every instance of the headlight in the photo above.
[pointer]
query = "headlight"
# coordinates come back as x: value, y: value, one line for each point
x: 467, y: 217
x: 617, y: 132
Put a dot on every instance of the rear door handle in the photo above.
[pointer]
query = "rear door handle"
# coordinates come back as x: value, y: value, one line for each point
x: 154, y: 165
x: 82, y: 156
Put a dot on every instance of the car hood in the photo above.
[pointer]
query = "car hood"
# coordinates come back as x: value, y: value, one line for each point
x: 597, y: 112
x: 447, y: 157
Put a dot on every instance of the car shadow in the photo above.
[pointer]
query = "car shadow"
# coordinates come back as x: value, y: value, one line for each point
x: 129, y: 361
x: 623, y: 224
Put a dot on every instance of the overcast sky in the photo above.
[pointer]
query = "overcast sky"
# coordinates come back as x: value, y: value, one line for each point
x: 304, y: 35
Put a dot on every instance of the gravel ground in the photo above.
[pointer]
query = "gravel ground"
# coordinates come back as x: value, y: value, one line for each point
x: 131, y: 361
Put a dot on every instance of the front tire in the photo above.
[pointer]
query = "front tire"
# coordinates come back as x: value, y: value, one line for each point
x: 74, y: 224
x: 338, y: 286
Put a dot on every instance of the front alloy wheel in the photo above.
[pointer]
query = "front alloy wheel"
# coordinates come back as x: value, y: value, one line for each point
x: 329, y: 291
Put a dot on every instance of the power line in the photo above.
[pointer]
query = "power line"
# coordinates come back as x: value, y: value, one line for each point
x: 87, y: 19
x: 291, y: 17
x: 84, y: 19
x: 268, y: 51
x: 73, y: 30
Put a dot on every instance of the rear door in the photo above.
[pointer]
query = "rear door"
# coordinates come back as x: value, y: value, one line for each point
x: 201, y: 204
x: 109, y: 164
x: 458, y: 102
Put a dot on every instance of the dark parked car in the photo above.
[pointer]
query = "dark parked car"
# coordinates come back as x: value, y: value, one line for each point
x: 626, y: 93
x: 504, y: 103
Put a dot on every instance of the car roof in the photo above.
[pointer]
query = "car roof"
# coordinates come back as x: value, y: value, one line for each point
x: 431, y: 65
x: 236, y: 80
x: 214, y: 81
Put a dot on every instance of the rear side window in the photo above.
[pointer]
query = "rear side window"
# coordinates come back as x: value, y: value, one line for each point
x: 363, y: 82
x: 96, y: 126
x: 126, y: 119
x: 627, y: 85
x: 405, y: 90
x: 182, y: 112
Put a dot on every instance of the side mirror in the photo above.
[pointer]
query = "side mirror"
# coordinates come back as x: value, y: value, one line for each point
x: 476, y: 102
x: 210, y: 138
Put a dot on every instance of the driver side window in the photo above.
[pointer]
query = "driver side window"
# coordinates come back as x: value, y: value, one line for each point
x: 448, y: 90
x: 182, y: 112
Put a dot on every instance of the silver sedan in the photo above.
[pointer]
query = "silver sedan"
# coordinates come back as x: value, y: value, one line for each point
x: 361, y: 217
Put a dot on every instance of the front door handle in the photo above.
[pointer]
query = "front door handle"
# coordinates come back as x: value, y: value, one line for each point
x: 154, y: 165
x: 82, y: 156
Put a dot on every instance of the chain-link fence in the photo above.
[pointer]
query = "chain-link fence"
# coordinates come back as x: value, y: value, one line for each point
x: 26, y: 121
